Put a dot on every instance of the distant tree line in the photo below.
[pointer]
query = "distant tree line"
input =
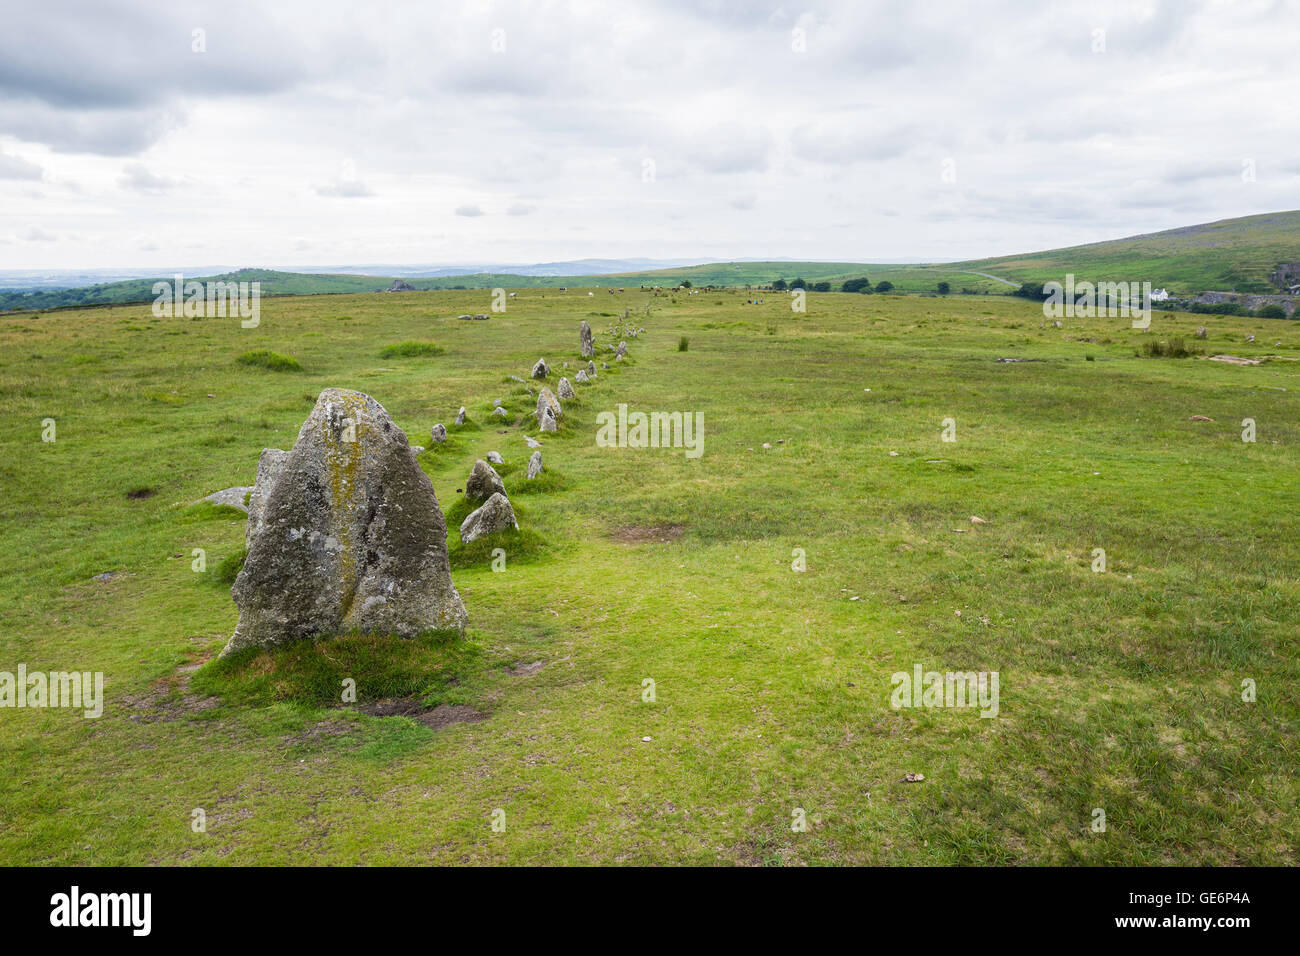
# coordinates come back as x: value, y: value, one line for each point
x: 861, y: 285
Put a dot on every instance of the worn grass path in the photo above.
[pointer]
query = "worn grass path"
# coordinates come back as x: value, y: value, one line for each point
x: 1119, y: 690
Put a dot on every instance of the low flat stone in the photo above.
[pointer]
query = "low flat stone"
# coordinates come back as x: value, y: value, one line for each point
x: 494, y: 515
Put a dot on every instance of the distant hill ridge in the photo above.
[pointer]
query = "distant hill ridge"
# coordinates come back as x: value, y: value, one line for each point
x: 1258, y: 255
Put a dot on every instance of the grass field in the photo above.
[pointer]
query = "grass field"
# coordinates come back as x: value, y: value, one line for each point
x: 1120, y: 691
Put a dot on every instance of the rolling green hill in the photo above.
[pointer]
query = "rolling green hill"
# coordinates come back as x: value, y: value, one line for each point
x: 1231, y: 255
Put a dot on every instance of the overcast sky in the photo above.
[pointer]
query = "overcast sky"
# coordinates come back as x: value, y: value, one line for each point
x: 333, y: 131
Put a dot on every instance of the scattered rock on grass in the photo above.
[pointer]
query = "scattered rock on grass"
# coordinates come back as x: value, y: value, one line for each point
x: 483, y: 482
x: 546, y: 399
x: 495, y: 515
x: 230, y: 497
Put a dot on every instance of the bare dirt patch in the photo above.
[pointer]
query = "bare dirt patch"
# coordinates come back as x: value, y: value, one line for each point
x: 168, y: 698
x: 526, y: 670
x: 444, y: 715
x: 662, y: 533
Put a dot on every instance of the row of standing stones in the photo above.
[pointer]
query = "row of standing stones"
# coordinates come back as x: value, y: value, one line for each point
x: 344, y: 530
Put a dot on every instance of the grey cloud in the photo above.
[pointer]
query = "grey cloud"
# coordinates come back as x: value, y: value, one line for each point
x: 15, y: 167
x: 344, y: 189
x: 116, y: 132
x: 136, y: 177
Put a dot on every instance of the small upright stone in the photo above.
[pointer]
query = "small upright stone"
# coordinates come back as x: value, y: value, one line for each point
x: 541, y: 369
x: 1201, y: 332
x: 499, y: 412
x: 585, y: 340
x: 546, y: 419
x: 591, y: 370
x: 495, y: 458
x: 483, y: 482
x: 439, y: 433
x: 547, y: 399
x: 460, y: 416
x: 621, y: 353
x: 582, y: 376
x: 535, y: 465
x: 566, y: 390
x: 269, y: 466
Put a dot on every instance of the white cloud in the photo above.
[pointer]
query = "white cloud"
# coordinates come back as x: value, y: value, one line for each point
x: 15, y: 167
x: 757, y: 148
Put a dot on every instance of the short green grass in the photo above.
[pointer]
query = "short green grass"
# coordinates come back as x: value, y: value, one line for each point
x: 1119, y: 690
x: 411, y: 349
x: 274, y: 361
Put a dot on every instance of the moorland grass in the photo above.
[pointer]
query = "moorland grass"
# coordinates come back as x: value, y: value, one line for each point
x: 273, y: 361
x: 1120, y: 690
x: 411, y: 349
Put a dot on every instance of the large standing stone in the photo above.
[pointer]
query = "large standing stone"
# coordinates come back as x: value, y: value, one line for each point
x: 495, y: 515
x: 585, y: 340
x: 541, y: 369
x: 566, y: 389
x: 269, y: 466
x: 350, y: 538
x: 483, y: 482
x: 535, y: 464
